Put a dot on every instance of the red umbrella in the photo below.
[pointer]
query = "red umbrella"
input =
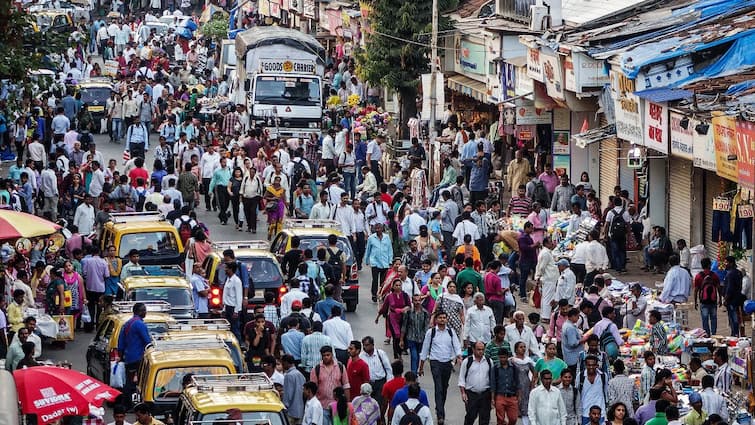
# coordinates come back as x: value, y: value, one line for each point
x: 53, y: 392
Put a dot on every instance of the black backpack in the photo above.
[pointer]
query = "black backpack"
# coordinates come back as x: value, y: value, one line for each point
x: 618, y: 228
x: 297, y: 173
x: 709, y: 292
x: 595, y: 315
x: 540, y: 194
x: 336, y: 265
x: 410, y: 415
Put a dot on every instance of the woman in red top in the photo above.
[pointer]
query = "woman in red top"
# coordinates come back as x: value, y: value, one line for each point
x: 493, y: 290
x: 395, y: 304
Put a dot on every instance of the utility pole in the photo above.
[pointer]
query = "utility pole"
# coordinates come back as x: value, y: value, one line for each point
x: 433, y: 68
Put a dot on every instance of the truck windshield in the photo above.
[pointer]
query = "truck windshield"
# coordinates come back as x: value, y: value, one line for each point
x: 287, y: 90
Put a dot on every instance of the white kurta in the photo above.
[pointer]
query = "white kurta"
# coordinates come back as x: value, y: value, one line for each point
x: 548, y: 274
x: 546, y: 407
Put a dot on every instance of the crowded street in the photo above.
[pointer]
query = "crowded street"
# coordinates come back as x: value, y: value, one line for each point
x: 379, y: 212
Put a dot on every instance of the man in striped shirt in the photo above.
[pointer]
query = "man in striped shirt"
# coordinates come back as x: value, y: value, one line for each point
x: 520, y: 204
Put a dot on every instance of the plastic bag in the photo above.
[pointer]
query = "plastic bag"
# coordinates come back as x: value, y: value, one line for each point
x: 117, y: 374
x: 85, y: 317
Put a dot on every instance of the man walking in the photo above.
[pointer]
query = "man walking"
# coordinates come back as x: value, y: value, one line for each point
x: 593, y: 386
x: 733, y: 297
x: 233, y: 297
x: 546, y: 405
x: 95, y: 270
x: 131, y: 344
x: 379, y: 364
x: 546, y: 276
x: 441, y: 346
x: 378, y: 255
x: 617, y: 221
x: 293, y: 386
x: 328, y: 375
x: 479, y: 322
x: 474, y: 385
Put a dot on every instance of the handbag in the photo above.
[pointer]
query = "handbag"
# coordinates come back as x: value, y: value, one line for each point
x: 67, y: 299
x: 117, y: 374
x: 271, y: 206
x: 537, y: 297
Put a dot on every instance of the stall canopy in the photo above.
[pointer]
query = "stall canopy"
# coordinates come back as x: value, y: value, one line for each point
x: 14, y: 225
x: 469, y: 87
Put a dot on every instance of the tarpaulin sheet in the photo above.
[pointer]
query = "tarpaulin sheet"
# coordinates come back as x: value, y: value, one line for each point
x: 739, y: 57
x: 709, y: 8
x: 740, y: 87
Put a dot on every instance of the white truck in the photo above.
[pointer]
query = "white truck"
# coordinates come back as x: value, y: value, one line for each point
x: 280, y: 79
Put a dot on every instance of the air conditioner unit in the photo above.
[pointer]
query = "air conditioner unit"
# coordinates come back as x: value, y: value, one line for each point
x: 538, y: 13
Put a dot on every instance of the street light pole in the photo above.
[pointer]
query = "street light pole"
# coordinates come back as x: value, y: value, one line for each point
x: 433, y: 68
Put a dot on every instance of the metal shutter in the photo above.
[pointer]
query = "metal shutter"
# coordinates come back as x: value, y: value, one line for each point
x: 680, y: 199
x: 712, y: 188
x: 609, y: 173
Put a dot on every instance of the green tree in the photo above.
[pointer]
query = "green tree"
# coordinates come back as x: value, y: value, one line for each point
x: 397, y: 52
x: 21, y: 47
x: 216, y: 28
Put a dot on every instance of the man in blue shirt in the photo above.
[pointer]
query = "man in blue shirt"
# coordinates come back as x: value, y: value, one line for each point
x: 70, y: 106
x: 403, y: 394
x: 131, y: 344
x: 360, y: 153
x: 324, y: 307
x: 478, y: 178
x: 378, y: 256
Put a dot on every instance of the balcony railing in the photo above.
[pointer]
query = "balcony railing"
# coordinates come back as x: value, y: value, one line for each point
x: 517, y: 10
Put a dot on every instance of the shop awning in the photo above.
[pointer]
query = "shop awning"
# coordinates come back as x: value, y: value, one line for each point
x: 594, y: 135
x: 469, y: 87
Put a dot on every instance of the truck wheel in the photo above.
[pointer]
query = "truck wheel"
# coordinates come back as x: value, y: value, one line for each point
x: 351, y: 306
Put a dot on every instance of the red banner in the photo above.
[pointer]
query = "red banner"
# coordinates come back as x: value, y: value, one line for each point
x: 746, y: 153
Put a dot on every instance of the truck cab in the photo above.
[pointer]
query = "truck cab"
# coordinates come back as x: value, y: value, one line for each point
x: 280, y: 72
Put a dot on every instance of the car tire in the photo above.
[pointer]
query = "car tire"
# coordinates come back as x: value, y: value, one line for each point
x: 351, y: 306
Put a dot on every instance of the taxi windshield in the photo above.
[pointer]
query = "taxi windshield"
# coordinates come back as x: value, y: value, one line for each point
x: 148, y: 244
x: 262, y: 270
x: 250, y: 418
x: 91, y: 94
x: 158, y: 328
x: 168, y: 381
x: 177, y: 297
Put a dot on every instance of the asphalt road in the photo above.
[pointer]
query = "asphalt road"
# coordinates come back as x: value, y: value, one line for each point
x: 362, y: 321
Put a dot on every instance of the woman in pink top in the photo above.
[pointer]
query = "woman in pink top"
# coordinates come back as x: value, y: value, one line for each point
x: 539, y: 219
x: 494, y: 290
x: 432, y: 291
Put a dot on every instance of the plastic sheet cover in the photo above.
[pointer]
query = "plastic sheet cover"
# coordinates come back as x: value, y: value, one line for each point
x: 739, y: 57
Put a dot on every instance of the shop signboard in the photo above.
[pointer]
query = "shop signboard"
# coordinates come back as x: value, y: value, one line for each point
x: 523, y: 82
x: 275, y: 9
x: 264, y: 7
x: 725, y: 138
x: 746, y: 153
x: 552, y: 73
x: 310, y: 9
x: 527, y: 114
x: 472, y: 58
x: 704, y: 148
x: 628, y: 109
x: 570, y: 79
x: 682, y: 139
x: 561, y: 143
x: 588, y: 72
x: 508, y: 80
x: 656, y: 126
x: 534, y: 65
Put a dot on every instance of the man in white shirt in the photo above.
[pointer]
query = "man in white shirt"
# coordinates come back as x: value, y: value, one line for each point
x: 546, y: 405
x: 334, y: 191
x: 519, y: 332
x: 441, y: 346
x: 340, y: 333
x: 119, y: 416
x: 208, y: 164
x: 379, y: 364
x: 344, y: 214
x: 474, y: 385
x: 322, y: 210
x: 84, y: 216
x: 233, y: 297
x: 479, y: 322
x: 413, y: 221
x: 312, y: 409
x: 293, y: 297
x: 413, y: 404
x: 567, y: 282
x: 713, y: 402
x: 374, y: 155
x: 48, y: 185
x: 377, y: 211
x: 329, y: 151
x: 408, y: 286
x: 465, y: 227
x: 546, y: 275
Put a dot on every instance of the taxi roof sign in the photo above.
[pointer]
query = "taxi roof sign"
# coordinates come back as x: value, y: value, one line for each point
x: 311, y: 224
x: 153, y: 306
x: 264, y: 245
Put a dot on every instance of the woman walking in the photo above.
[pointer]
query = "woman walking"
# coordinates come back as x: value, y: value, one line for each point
x: 275, y: 206
x: 393, y: 309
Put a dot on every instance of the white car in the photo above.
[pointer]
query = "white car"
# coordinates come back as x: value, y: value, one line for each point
x: 77, y: 11
x: 145, y: 28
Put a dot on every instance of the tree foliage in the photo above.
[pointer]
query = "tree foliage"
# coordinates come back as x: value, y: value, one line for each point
x: 216, y: 28
x: 22, y: 48
x: 390, y: 59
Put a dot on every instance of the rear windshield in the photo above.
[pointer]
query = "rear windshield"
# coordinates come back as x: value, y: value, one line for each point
x: 149, y: 244
x: 315, y: 243
x: 177, y: 297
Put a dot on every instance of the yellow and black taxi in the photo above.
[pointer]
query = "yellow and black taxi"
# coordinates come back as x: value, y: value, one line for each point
x: 261, y: 266
x: 104, y: 346
x: 156, y: 240
x: 208, y: 399
x: 94, y: 93
x: 313, y: 234
x: 56, y: 20
x: 173, y: 289
x: 166, y: 362
x: 183, y: 329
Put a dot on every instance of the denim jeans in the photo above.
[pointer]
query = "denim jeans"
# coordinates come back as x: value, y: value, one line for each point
x: 350, y: 183
x: 731, y: 311
x: 414, y: 349
x: 327, y: 418
x: 116, y: 131
x: 619, y: 254
x: 709, y: 315
x: 524, y: 271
